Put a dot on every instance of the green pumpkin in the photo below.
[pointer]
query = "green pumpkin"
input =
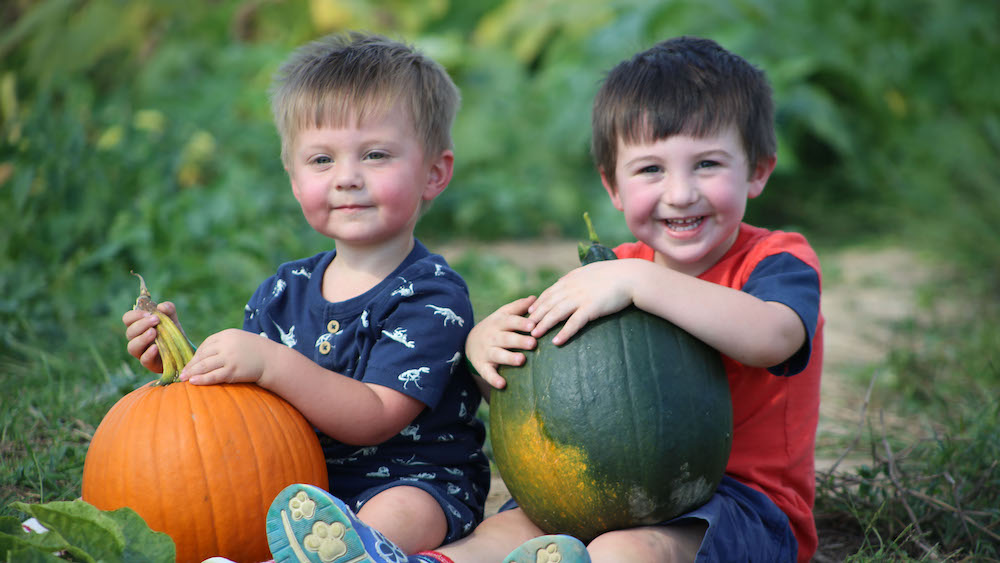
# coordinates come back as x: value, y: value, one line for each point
x: 627, y: 424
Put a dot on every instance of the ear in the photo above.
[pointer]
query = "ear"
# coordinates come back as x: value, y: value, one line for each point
x: 439, y: 174
x: 760, y: 174
x: 295, y: 185
x: 609, y: 187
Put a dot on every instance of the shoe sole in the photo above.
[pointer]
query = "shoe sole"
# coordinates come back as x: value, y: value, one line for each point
x: 307, y: 525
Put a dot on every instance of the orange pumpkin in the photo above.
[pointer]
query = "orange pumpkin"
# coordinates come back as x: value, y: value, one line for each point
x: 202, y: 464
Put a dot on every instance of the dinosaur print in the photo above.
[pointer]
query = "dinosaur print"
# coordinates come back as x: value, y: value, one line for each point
x: 287, y: 338
x: 448, y: 314
x: 404, y: 290
x: 399, y: 335
x: 413, y: 376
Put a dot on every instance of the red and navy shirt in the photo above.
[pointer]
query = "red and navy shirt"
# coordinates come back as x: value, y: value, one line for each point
x: 776, y: 409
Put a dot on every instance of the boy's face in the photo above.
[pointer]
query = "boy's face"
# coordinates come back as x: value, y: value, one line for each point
x: 685, y: 196
x: 363, y: 185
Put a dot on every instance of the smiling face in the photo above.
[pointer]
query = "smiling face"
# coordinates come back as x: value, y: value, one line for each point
x: 364, y: 183
x: 685, y: 196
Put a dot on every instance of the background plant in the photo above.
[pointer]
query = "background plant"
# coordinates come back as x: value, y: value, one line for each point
x: 136, y: 136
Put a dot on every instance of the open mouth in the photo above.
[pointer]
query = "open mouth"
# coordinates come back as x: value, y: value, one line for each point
x: 685, y: 224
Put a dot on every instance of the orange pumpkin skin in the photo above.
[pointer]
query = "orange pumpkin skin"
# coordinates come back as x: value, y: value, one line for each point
x: 202, y: 464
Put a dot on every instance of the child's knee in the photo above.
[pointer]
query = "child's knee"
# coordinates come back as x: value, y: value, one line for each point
x: 394, y: 512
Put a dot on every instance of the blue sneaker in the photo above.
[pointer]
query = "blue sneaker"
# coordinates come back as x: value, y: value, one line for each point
x: 306, y: 524
x: 550, y: 549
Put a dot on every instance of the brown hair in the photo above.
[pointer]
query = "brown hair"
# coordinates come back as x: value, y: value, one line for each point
x: 685, y: 85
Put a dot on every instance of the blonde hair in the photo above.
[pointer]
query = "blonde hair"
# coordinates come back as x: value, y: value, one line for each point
x: 359, y: 76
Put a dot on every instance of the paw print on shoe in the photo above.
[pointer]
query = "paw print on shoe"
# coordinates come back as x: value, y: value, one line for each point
x: 326, y: 540
x: 548, y: 554
x: 301, y: 506
x: 387, y: 550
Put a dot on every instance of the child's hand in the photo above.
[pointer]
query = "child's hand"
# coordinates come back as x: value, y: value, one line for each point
x: 230, y: 356
x: 140, y: 329
x: 490, y: 342
x: 585, y: 294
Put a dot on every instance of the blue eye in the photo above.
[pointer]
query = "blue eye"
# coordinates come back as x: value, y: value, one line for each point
x: 321, y: 159
x: 706, y: 164
x: 376, y: 155
x: 651, y: 169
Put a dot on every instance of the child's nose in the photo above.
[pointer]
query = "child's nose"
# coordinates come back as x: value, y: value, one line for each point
x: 679, y: 191
x: 348, y: 177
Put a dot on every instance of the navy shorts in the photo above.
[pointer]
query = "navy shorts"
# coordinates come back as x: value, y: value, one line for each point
x: 461, y: 517
x: 743, y: 525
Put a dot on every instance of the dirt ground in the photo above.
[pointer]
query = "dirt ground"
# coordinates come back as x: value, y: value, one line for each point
x: 865, y: 291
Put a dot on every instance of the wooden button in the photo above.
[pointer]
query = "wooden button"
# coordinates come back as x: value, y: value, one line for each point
x: 333, y: 327
x: 324, y: 347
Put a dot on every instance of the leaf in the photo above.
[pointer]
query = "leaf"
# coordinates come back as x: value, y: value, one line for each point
x: 20, y: 545
x: 141, y: 542
x: 90, y: 534
x: 86, y: 533
x: 30, y: 555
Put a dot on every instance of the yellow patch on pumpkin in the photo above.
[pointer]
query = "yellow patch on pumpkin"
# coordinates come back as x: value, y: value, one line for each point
x: 554, y: 467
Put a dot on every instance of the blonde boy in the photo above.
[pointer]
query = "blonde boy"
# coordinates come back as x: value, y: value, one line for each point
x: 365, y: 339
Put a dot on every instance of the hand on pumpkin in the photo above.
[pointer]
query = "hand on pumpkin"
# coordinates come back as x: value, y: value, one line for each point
x: 492, y: 341
x: 583, y: 295
x: 230, y: 356
x: 140, y: 329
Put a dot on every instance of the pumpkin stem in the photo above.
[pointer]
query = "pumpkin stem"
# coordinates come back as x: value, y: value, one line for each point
x: 596, y: 251
x: 590, y: 229
x: 145, y: 301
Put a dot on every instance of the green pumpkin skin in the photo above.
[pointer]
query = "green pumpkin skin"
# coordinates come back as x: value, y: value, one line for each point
x: 627, y: 424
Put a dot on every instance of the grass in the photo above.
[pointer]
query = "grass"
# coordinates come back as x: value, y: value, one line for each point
x: 929, y: 491
x: 928, y: 488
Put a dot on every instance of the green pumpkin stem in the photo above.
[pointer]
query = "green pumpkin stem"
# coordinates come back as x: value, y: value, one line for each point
x: 590, y: 229
x: 596, y: 251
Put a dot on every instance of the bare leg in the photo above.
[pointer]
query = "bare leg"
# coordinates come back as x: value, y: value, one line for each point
x: 408, y: 516
x: 674, y: 543
x: 492, y: 540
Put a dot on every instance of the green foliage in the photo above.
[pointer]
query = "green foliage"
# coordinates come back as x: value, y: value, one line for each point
x: 83, y: 533
x: 137, y: 136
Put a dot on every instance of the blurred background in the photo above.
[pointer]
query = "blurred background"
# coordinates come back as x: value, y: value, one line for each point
x: 136, y: 135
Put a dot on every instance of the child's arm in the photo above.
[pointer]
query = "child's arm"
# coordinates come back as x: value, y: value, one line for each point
x: 140, y: 329
x: 492, y: 340
x: 345, y: 409
x: 751, y: 331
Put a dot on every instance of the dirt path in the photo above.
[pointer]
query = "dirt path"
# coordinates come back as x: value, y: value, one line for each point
x: 865, y: 292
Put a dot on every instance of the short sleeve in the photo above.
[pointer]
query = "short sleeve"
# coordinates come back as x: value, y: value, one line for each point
x: 421, y: 338
x: 788, y: 280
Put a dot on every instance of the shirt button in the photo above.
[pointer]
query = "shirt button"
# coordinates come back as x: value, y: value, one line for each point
x: 324, y: 347
x: 333, y: 327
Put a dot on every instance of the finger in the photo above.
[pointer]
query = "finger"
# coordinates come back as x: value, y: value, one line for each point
x: 574, y: 323
x: 518, y: 307
x: 199, y: 364
x: 138, y: 345
x: 516, y: 341
x: 139, y: 325
x: 551, y: 318
x: 516, y: 323
x: 168, y: 308
x: 133, y: 315
x: 490, y: 375
x: 210, y: 378
x: 500, y: 357
x: 150, y: 359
